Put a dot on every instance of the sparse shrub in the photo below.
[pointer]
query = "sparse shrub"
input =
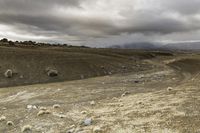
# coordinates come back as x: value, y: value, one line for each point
x: 42, y: 108
x: 43, y: 112
x: 8, y: 73
x: 2, y: 118
x: 82, y: 76
x: 102, y: 67
x: 10, y: 123
x: 26, y: 128
x: 56, y: 106
x: 123, y: 67
x: 97, y: 129
x: 11, y: 43
x: 92, y: 103
x: 4, y: 40
x: 125, y: 93
x: 83, y: 112
x: 51, y: 72
x: 169, y: 89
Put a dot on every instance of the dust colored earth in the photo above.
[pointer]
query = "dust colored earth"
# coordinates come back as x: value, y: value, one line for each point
x: 100, y: 91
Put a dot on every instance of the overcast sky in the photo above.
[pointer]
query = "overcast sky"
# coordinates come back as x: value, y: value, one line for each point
x: 100, y: 23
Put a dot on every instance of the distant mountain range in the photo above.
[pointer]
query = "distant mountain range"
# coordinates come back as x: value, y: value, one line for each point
x: 169, y: 46
x: 140, y: 45
x: 183, y: 46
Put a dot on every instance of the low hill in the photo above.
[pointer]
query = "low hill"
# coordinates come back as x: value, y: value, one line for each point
x: 29, y: 64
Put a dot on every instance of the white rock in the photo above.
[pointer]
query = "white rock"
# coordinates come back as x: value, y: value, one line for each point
x: 87, y: 121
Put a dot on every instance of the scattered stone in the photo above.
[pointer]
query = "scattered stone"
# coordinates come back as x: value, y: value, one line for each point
x: 10, y: 123
x: 79, y: 130
x: 84, y: 112
x: 139, y: 102
x: 114, y: 98
x: 26, y: 128
x: 92, y: 103
x: 62, y: 116
x: 2, y: 118
x: 40, y: 113
x: 47, y: 112
x: 4, y: 108
x: 97, y: 129
x: 125, y: 93
x: 31, y: 107
x: 87, y: 122
x: 169, y: 89
x: 43, y: 108
x: 43, y: 112
x: 8, y: 73
x: 56, y: 106
x: 71, y: 130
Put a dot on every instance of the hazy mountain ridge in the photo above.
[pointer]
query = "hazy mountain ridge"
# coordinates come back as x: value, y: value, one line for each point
x: 152, y: 46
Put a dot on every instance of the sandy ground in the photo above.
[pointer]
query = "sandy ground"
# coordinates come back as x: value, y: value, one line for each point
x: 161, y: 100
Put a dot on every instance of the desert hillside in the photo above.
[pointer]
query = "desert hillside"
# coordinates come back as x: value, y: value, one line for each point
x: 122, y: 91
x: 30, y: 65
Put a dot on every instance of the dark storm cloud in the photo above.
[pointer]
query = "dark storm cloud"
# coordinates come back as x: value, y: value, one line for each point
x: 86, y: 19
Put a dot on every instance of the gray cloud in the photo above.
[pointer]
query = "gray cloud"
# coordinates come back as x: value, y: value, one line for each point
x: 102, y: 21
